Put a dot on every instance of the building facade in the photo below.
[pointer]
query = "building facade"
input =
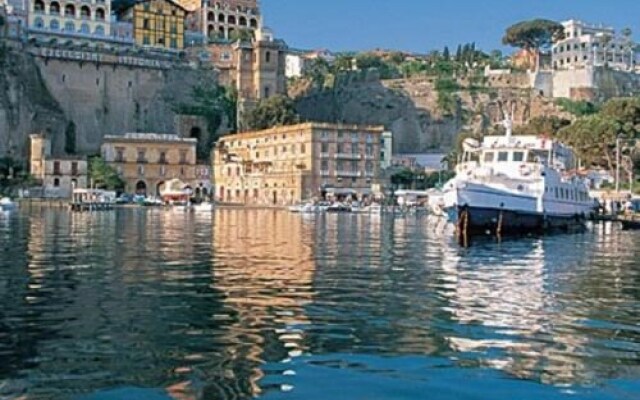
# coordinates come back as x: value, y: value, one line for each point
x: 585, y: 45
x: 146, y: 161
x: 58, y: 176
x: 222, y: 19
x: 156, y: 23
x: 89, y: 18
x: 288, y: 164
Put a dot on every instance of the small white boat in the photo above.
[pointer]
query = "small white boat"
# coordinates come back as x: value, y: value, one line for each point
x: 304, y: 208
x: 203, y: 207
x: 7, y: 205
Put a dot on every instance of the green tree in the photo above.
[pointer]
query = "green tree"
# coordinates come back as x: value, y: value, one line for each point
x: 626, y: 112
x: 445, y: 53
x: 104, y: 176
x: 533, y: 35
x: 317, y: 70
x: 593, y: 138
x: 343, y: 62
x: 542, y: 125
x: 459, y: 53
x: 243, y: 35
x: 275, y: 111
x: 578, y: 108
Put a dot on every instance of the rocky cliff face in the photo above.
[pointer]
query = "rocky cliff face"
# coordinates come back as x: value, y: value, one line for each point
x: 409, y: 108
x: 26, y: 106
x: 50, y: 95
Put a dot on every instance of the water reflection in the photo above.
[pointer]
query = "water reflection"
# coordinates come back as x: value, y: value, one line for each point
x: 248, y: 303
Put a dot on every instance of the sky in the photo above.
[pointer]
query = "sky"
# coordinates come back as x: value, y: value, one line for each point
x: 424, y: 25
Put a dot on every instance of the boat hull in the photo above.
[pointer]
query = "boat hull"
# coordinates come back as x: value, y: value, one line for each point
x: 477, y: 221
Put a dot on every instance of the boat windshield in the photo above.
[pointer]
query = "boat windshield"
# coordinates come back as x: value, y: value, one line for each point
x: 514, y: 155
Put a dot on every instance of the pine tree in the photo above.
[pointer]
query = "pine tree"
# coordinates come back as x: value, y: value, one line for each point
x: 445, y: 53
x: 459, y: 53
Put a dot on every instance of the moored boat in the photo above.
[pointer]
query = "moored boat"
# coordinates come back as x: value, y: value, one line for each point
x: 515, y: 185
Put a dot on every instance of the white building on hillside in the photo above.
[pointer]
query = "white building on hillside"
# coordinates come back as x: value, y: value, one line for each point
x: 586, y: 45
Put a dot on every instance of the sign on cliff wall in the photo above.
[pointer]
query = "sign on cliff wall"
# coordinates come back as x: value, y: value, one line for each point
x: 91, y: 56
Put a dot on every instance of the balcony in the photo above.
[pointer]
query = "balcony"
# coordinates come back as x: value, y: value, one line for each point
x: 325, y: 172
x: 369, y: 157
x: 348, y: 156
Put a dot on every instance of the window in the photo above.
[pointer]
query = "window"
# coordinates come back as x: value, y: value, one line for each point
x: 163, y: 157
x: 488, y: 157
x: 303, y: 148
x: 56, y: 168
x: 55, y: 25
x: 324, y: 165
x: 70, y: 27
x: 183, y: 156
x: 99, y: 30
x: 39, y: 22
x: 146, y: 40
x: 339, y: 148
x: 354, y: 137
x: 369, y: 138
x: 74, y: 168
x: 84, y: 28
x: 369, y: 150
x: 56, y: 182
x: 518, y: 156
x: 267, y: 57
x: 141, y: 156
x: 119, y: 154
x: 503, y: 156
x: 355, y: 148
x: 324, y: 147
x: 146, y: 24
x: 141, y: 170
x: 556, y: 191
x: 369, y: 166
x: 354, y: 166
x: 340, y: 165
x: 163, y: 170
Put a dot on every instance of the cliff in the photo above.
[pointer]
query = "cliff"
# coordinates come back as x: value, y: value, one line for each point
x: 26, y: 105
x: 421, y: 117
x: 90, y: 99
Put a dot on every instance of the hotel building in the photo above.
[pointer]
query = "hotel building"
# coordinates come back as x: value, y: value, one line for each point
x: 88, y: 18
x: 145, y: 161
x: 586, y: 45
x: 288, y: 164
x: 222, y: 18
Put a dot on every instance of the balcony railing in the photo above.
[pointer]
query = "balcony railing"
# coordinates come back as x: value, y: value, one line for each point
x: 349, y: 156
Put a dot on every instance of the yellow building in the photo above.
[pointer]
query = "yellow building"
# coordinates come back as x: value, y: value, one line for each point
x: 289, y: 164
x: 157, y: 23
x: 146, y: 161
x: 58, y: 176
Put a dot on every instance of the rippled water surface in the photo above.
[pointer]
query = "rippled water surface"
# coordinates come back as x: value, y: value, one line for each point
x: 154, y: 304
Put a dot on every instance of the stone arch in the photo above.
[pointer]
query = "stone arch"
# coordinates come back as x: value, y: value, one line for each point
x: 54, y: 8
x: 141, y: 188
x: 221, y: 33
x: 221, y: 18
x: 159, y: 187
x: 38, y: 6
x: 211, y: 16
x: 84, y: 28
x: 70, y: 10
x: 99, y: 30
x: 210, y: 30
x: 100, y: 14
x: 85, y: 12
x: 242, y: 21
x: 69, y: 26
x: 39, y: 23
x: 231, y: 20
x: 54, y: 25
x: 253, y: 23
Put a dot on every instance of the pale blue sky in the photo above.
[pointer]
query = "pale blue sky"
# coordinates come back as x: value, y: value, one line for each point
x: 423, y: 25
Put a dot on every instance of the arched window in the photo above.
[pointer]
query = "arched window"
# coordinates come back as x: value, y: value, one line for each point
x: 210, y: 30
x: 56, y: 182
x: 99, y: 30
x: 221, y: 18
x: 54, y: 8
x: 100, y: 14
x: 54, y: 25
x: 211, y: 16
x: 141, y: 188
x: 253, y: 23
x: 69, y: 27
x: 221, y: 34
x: 39, y: 23
x: 85, y: 12
x: 70, y: 10
x: 267, y: 92
x: 231, y: 20
x: 38, y: 6
x: 243, y: 21
x: 267, y: 56
x: 84, y: 28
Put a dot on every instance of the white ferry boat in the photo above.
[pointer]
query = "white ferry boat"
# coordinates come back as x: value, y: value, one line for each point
x: 515, y: 185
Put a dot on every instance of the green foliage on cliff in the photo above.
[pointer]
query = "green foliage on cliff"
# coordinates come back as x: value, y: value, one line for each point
x: 578, y: 108
x: 274, y: 111
x: 543, y: 125
x: 103, y: 176
x: 215, y: 104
